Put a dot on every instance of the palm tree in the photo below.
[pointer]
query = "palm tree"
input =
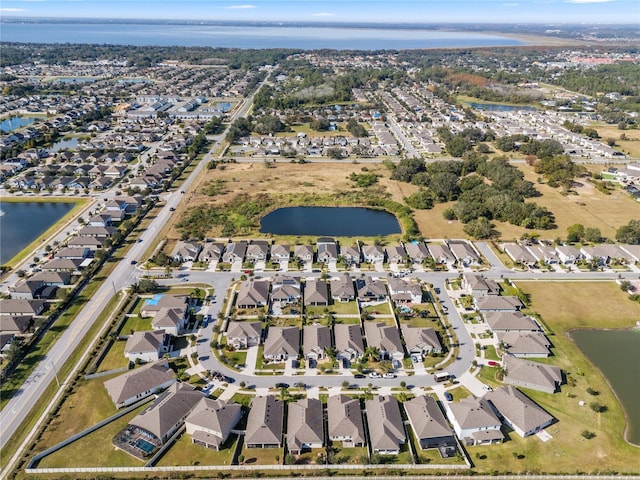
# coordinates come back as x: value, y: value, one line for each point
x: 372, y: 353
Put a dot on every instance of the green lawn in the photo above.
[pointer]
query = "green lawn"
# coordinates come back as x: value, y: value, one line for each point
x: 491, y: 354
x: 348, y: 320
x: 350, y: 455
x: 260, y: 365
x: 311, y: 457
x: 135, y: 324
x: 488, y: 375
x: 335, y: 308
x: 262, y: 456
x: 95, y: 449
x: 236, y: 358
x: 185, y: 452
x: 379, y: 309
x: 418, y: 321
x: 87, y: 405
x: 115, y: 357
x: 285, y: 322
x: 459, y: 393
x: 390, y: 321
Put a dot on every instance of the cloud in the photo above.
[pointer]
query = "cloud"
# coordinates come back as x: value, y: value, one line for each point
x: 323, y: 14
x: 589, y: 1
x: 510, y: 4
x: 12, y: 10
x: 241, y: 7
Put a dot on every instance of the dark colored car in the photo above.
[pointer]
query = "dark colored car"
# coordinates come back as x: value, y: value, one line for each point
x: 359, y: 375
x: 448, y: 397
x: 282, y: 385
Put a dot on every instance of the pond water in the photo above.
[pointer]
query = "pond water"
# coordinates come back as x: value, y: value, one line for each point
x: 64, y: 144
x: 13, y: 123
x: 75, y: 80
x: 22, y: 222
x: 493, y: 107
x: 617, y: 354
x: 332, y: 221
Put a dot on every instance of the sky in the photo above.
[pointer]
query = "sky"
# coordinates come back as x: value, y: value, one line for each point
x: 379, y: 11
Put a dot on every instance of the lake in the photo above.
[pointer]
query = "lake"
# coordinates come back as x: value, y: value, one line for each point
x: 495, y: 107
x: 307, y: 38
x: 22, y: 222
x: 13, y: 123
x: 617, y: 354
x: 331, y: 221
x: 64, y: 144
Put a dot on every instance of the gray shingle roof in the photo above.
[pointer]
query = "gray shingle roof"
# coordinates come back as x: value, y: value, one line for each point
x: 137, y: 382
x: 386, y: 430
x: 345, y: 418
x: 518, y: 409
x: 304, y: 423
x: 426, y: 418
x: 264, y: 424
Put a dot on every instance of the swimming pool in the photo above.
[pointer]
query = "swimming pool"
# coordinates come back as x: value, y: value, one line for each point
x: 154, y: 301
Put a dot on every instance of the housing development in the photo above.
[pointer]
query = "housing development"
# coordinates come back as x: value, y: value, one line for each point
x: 204, y: 309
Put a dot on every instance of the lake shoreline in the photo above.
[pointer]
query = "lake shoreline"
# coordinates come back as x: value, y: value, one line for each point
x: 627, y: 426
x: 80, y: 205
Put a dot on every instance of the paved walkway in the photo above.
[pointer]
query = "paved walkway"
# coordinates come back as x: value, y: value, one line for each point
x: 250, y: 362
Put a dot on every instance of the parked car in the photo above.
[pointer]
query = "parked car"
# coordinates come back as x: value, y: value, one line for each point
x: 491, y: 363
x: 448, y: 397
x: 282, y: 385
x: 487, y: 388
x: 172, y: 209
x: 374, y: 375
x: 389, y: 375
x: 359, y: 375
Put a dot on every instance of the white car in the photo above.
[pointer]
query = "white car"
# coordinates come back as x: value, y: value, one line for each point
x: 487, y: 388
x: 389, y: 375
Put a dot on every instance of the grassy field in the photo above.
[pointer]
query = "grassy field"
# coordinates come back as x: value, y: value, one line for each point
x: 87, y: 405
x: 95, y: 449
x: 562, y: 307
x: 115, y: 357
x: 630, y: 146
x: 135, y: 324
x: 184, y: 452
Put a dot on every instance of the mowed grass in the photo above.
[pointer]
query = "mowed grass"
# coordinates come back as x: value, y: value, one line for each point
x: 87, y: 405
x: 185, y: 452
x: 562, y: 307
x: 115, y: 357
x: 630, y: 146
x: 95, y: 449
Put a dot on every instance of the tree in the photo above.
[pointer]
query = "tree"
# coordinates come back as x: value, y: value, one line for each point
x: 598, y: 407
x: 14, y: 351
x: 588, y: 435
x: 629, y: 233
x: 575, y: 233
x: 626, y: 286
x: 479, y: 228
x: 421, y: 200
x: 592, y: 235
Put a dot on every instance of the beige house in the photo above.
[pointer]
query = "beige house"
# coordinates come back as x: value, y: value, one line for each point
x: 140, y: 383
x: 210, y: 422
x: 305, y: 426
x: 345, y: 421
x: 265, y: 422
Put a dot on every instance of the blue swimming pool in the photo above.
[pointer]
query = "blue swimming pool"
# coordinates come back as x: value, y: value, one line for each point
x: 154, y: 301
x: 145, y: 446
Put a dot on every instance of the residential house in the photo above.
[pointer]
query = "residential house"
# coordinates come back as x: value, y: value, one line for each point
x: 140, y: 383
x: 496, y: 303
x: 16, y: 324
x: 257, y: 251
x: 285, y: 290
x: 27, y: 290
x: 264, y: 423
x: 100, y: 220
x: 525, y: 344
x: 13, y: 307
x: 303, y: 253
x: 404, y: 293
x: 519, y: 254
x: 211, y: 252
x: 344, y: 419
x: 315, y: 340
x: 327, y: 250
x: 476, y: 285
x: 442, y: 254
x: 474, y: 421
x: 211, y: 421
x: 73, y: 253
x: 253, y: 294
x: 186, y: 251
x: 153, y: 305
x: 63, y: 265
x: 243, y: 335
x: 280, y: 253
x: 305, y: 425
x: 172, y: 320
x: 349, y: 341
x: 603, y: 254
x: 147, y: 346
x: 351, y: 255
x: 373, y: 253
x: 316, y: 293
x: 509, y: 321
x: 417, y: 252
x: 544, y: 254
x: 97, y: 232
x: 386, y: 429
x: 537, y: 376
x: 282, y: 344
x: 235, y: 252
x: 370, y: 289
x: 633, y: 251
x: 386, y: 339
x: 429, y: 424
x: 518, y: 411
x: 421, y: 340
x: 92, y: 243
x: 53, y: 279
x: 395, y: 253
x: 464, y: 253
x: 168, y: 412
x: 342, y: 289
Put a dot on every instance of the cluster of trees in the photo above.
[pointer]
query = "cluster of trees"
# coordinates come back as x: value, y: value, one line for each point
x: 240, y: 128
x: 457, y: 144
x: 558, y: 170
x: 629, y: 233
x: 483, y: 189
x: 527, y: 146
x: 263, y: 124
x: 577, y: 128
x: 356, y: 129
x: 364, y: 179
x: 578, y: 233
